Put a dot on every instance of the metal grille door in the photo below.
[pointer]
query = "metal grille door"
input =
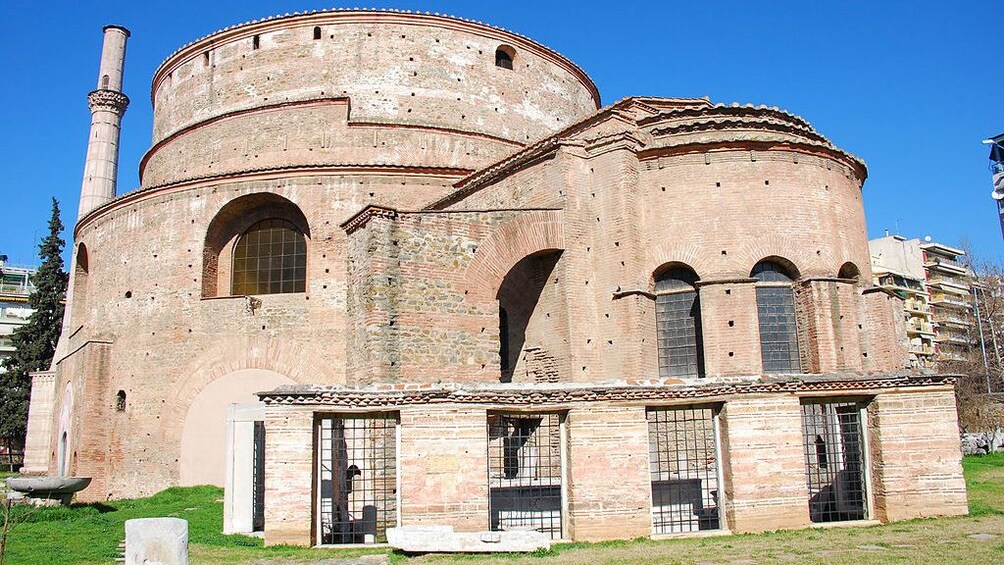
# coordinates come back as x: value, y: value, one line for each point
x: 834, y: 461
x: 524, y: 472
x: 683, y: 461
x: 358, y: 477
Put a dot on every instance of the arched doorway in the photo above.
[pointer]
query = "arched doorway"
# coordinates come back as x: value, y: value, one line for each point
x: 203, y: 438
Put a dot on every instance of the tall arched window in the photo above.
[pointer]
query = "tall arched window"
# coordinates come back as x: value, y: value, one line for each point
x: 270, y: 258
x: 775, y: 302
x: 678, y: 324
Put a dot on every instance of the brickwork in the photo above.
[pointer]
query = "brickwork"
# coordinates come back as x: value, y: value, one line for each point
x: 444, y: 467
x: 916, y: 455
x: 435, y: 191
x: 608, y: 472
x: 764, y: 478
x: 289, y: 447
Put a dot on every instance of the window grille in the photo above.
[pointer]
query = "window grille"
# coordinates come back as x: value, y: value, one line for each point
x: 678, y: 324
x: 357, y: 477
x: 270, y: 258
x: 776, y: 312
x: 683, y: 463
x: 525, y: 472
x: 834, y: 460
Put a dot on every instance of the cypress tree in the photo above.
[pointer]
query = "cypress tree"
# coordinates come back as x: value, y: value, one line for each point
x: 34, y: 342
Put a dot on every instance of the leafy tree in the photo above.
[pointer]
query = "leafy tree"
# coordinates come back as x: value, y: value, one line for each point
x: 34, y: 342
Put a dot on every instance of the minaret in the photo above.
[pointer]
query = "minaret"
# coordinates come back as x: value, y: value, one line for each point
x: 107, y: 104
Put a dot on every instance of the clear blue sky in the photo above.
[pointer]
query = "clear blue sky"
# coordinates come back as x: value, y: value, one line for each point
x: 910, y: 87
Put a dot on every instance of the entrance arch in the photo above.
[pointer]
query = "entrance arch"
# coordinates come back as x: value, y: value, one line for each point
x: 203, y: 438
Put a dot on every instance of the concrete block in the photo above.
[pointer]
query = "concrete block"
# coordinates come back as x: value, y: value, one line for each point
x: 442, y: 539
x: 156, y: 541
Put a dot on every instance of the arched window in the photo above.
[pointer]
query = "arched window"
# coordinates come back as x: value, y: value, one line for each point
x: 104, y: 81
x: 256, y: 42
x: 849, y: 271
x: 270, y: 258
x: 678, y: 323
x: 317, y: 33
x: 504, y: 56
x: 120, y: 401
x: 78, y: 305
x: 775, y: 302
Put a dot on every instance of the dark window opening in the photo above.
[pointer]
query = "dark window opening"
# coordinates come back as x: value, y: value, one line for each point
x: 834, y: 460
x: 258, y: 479
x: 104, y: 81
x: 270, y: 258
x: 849, y: 271
x: 256, y: 42
x: 120, y: 401
x: 678, y: 324
x: 317, y: 33
x: 503, y: 339
x: 205, y: 59
x: 503, y: 58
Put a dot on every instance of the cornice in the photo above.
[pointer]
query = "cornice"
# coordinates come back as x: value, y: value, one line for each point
x: 390, y: 396
x: 361, y: 218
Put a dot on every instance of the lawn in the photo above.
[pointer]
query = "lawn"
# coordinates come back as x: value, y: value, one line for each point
x: 91, y: 534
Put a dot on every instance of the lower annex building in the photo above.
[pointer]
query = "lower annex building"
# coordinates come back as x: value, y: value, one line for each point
x: 396, y: 268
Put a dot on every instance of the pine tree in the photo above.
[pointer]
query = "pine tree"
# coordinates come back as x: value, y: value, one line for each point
x: 34, y: 342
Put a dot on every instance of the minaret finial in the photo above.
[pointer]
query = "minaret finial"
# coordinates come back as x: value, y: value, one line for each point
x: 107, y: 104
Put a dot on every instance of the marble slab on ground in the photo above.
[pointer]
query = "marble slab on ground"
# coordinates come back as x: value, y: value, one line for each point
x: 442, y: 539
x: 156, y: 541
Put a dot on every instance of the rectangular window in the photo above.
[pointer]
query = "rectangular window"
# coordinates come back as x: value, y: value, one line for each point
x: 683, y: 462
x: 357, y: 477
x: 678, y: 323
x: 525, y: 472
x: 778, y: 333
x: 834, y: 460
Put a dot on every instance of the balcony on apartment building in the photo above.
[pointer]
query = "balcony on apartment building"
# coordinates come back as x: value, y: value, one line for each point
x: 920, y: 348
x: 940, y: 299
x: 917, y: 327
x: 902, y: 285
x: 916, y: 307
x: 939, y: 263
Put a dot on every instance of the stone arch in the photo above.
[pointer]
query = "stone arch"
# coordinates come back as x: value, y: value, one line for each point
x: 264, y: 357
x: 232, y: 220
x: 694, y: 257
x: 787, y: 265
x: 811, y: 261
x: 498, y: 253
x: 203, y: 437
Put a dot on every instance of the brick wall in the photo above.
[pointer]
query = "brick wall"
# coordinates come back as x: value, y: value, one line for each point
x: 916, y: 455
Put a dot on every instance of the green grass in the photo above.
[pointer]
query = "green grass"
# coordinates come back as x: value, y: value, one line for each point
x: 985, y: 484
x: 90, y: 533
